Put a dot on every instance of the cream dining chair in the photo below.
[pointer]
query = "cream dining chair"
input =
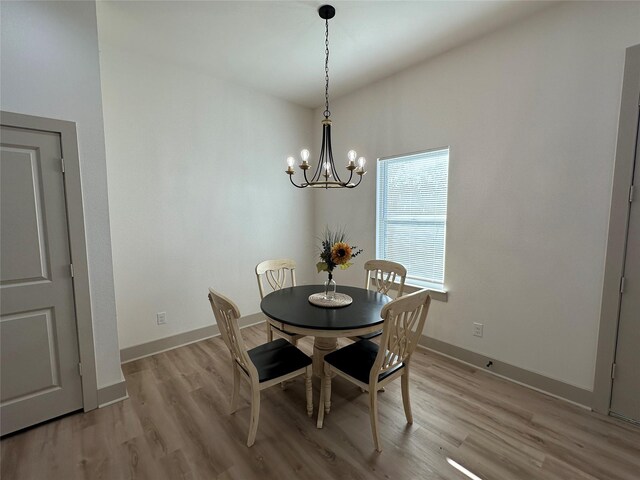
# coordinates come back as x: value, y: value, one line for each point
x: 262, y: 366
x: 275, y: 274
x: 381, y: 276
x: 371, y: 367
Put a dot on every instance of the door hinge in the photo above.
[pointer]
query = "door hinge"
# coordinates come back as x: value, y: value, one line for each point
x: 80, y: 368
x: 622, y: 285
x: 62, y: 164
x: 71, y: 270
x: 613, y: 370
x: 631, y: 192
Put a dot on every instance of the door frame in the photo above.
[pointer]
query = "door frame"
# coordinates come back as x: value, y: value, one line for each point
x: 618, y: 226
x: 77, y: 241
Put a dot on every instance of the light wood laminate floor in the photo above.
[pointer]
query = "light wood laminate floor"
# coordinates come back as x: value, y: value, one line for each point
x: 175, y: 425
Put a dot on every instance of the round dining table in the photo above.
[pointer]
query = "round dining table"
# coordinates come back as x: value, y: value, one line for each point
x: 291, y: 311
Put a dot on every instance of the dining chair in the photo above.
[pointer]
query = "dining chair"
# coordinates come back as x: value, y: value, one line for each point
x: 370, y: 366
x: 275, y: 273
x: 263, y: 366
x: 381, y: 276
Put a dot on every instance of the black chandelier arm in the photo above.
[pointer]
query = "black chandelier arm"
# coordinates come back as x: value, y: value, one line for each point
x: 294, y: 183
x: 331, y: 162
x: 316, y: 175
x: 336, y: 177
x: 304, y: 172
x: 346, y: 184
x: 355, y: 184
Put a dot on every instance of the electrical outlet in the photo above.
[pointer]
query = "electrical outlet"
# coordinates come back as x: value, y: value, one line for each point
x: 161, y: 318
x: 477, y: 329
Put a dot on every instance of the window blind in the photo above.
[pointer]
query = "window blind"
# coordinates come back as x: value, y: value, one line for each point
x: 412, y: 214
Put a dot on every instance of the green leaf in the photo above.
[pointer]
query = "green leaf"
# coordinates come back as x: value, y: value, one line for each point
x: 344, y: 266
x: 322, y: 267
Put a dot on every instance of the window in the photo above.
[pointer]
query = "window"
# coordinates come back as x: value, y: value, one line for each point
x: 412, y: 214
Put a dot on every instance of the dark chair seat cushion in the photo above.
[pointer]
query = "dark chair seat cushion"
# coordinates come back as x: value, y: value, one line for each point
x: 371, y: 335
x: 277, y: 358
x: 357, y: 359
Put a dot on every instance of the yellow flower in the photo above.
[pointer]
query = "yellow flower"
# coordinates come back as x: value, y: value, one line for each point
x: 340, y: 253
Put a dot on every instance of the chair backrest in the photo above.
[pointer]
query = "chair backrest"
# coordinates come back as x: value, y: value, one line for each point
x: 384, y: 273
x: 404, y: 320
x: 275, y: 273
x: 227, y: 315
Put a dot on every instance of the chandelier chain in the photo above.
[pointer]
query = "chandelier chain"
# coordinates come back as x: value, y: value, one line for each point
x: 327, y: 113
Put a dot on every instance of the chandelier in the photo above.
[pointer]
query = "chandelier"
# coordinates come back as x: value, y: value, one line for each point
x: 326, y: 174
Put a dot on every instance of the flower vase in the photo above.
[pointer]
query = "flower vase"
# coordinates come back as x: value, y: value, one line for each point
x: 330, y: 288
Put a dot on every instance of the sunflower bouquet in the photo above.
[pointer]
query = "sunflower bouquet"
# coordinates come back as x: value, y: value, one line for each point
x: 335, y: 252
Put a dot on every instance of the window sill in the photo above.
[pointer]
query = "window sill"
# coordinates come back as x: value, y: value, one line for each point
x: 436, y: 294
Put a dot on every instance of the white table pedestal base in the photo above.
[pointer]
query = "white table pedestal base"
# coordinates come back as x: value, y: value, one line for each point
x: 321, y: 347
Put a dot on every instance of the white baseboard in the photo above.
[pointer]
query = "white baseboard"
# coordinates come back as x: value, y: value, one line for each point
x: 113, y: 393
x: 527, y: 378
x: 136, y: 352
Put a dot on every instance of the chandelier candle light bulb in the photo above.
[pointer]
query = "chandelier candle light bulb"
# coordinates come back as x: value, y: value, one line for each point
x: 360, y: 169
x: 290, y: 163
x: 304, y: 154
x: 326, y: 168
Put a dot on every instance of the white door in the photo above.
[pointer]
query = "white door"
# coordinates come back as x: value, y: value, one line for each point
x: 625, y: 395
x: 39, y: 359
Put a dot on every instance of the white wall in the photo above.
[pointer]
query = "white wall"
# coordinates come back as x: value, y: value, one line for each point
x: 50, y: 68
x: 198, y: 193
x: 530, y: 113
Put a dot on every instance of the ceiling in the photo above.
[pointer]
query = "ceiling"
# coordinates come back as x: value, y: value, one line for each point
x: 277, y: 47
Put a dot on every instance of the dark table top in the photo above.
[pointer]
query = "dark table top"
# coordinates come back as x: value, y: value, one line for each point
x: 291, y: 306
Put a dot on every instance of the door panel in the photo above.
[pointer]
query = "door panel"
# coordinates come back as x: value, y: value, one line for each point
x: 625, y: 396
x: 36, y: 330
x: 38, y: 337
x: 21, y: 210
